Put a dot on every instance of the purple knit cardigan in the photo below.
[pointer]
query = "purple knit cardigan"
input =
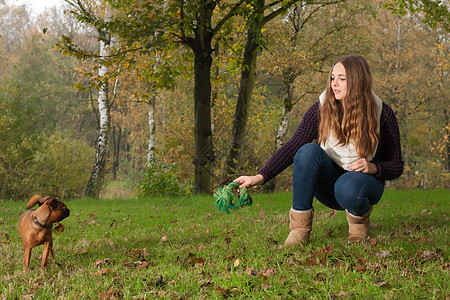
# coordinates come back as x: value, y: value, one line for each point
x: 388, y: 157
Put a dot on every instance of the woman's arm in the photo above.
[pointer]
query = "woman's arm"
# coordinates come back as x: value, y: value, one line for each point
x: 306, y: 132
x: 388, y: 158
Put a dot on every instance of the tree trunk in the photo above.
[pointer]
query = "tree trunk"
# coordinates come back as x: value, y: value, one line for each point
x: 152, y: 129
x: 247, y: 83
x: 447, y: 140
x: 95, y: 183
x: 151, y: 117
x: 285, y: 119
x: 116, y: 140
x: 204, y: 149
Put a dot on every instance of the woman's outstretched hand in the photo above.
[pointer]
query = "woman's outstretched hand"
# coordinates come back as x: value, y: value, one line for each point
x: 250, y: 181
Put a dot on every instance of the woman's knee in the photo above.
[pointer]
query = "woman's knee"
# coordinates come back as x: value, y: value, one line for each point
x: 350, y: 194
x: 307, y: 153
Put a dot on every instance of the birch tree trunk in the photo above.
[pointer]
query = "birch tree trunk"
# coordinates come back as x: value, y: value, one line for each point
x: 152, y: 129
x: 151, y: 117
x: 95, y: 183
x: 285, y: 118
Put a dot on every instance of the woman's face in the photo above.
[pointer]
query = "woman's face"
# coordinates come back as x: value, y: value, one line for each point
x: 338, y: 81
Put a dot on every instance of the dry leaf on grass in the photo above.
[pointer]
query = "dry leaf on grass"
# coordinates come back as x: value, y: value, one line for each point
x: 109, y: 295
x: 59, y: 228
x: 236, y: 262
x: 267, y: 272
x: 101, y: 262
x: 384, y: 254
x: 101, y: 272
x: 381, y: 283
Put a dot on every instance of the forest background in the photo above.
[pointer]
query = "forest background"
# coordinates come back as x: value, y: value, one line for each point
x: 110, y: 92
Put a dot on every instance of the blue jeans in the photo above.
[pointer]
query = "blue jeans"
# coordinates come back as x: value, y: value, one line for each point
x: 316, y: 175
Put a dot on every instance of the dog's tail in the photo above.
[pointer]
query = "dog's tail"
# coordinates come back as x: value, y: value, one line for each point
x: 36, y: 199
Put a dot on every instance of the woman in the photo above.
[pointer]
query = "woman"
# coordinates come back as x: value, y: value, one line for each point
x: 358, y: 148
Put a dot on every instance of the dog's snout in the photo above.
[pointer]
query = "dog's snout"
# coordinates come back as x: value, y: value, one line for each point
x: 66, y: 213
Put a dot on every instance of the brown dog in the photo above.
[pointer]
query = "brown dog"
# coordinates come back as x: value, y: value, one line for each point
x: 35, y: 226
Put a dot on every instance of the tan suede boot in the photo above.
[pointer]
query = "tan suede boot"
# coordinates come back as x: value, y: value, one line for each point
x: 300, y: 226
x: 358, y: 226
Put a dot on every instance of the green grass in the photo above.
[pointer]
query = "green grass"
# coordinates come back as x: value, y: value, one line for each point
x: 183, y: 248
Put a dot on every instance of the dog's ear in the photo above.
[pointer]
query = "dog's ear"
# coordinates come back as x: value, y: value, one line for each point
x: 52, y: 202
x: 43, y: 200
x: 35, y: 199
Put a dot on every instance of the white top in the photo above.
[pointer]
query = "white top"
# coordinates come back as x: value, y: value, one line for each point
x: 344, y: 155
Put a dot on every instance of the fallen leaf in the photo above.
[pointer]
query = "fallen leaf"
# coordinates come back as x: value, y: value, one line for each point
x: 380, y: 283
x: 266, y: 286
x: 224, y: 292
x: 163, y: 239
x: 141, y: 265
x: 272, y: 241
x: 425, y: 211
x: 267, y: 272
x: 360, y: 269
x: 201, y: 247
x: 59, y: 228
x: 109, y: 295
x: 204, y: 283
x: 332, y: 214
x: 101, y: 262
x: 384, y: 254
x: 236, y: 263
x: 428, y: 255
x: 251, y: 272
x: 101, y: 272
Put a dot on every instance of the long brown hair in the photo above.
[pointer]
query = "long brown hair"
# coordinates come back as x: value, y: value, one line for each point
x: 353, y: 118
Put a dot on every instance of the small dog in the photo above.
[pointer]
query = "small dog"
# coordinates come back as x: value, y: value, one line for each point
x: 35, y: 226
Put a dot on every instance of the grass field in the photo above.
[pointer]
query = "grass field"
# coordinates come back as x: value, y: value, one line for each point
x: 182, y: 248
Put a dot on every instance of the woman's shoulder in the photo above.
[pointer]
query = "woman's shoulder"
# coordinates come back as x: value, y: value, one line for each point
x: 388, y: 116
x: 387, y: 110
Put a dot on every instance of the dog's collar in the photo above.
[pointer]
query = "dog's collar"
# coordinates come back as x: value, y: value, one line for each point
x: 40, y: 225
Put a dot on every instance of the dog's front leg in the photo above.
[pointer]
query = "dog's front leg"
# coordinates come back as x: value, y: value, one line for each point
x: 50, y: 250
x: 47, y: 246
x: 26, y: 256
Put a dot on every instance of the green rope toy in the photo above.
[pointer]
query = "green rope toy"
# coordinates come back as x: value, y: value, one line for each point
x: 226, y: 199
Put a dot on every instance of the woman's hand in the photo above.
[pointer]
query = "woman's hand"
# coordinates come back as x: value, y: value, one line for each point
x: 250, y: 181
x: 362, y: 165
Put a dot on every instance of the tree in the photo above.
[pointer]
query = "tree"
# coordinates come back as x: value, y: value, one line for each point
x: 95, y: 183
x: 407, y: 78
x: 190, y: 23
x: 255, y: 23
x: 435, y: 12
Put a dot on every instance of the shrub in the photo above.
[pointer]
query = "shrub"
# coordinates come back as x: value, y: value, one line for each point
x: 161, y: 180
x: 55, y: 165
